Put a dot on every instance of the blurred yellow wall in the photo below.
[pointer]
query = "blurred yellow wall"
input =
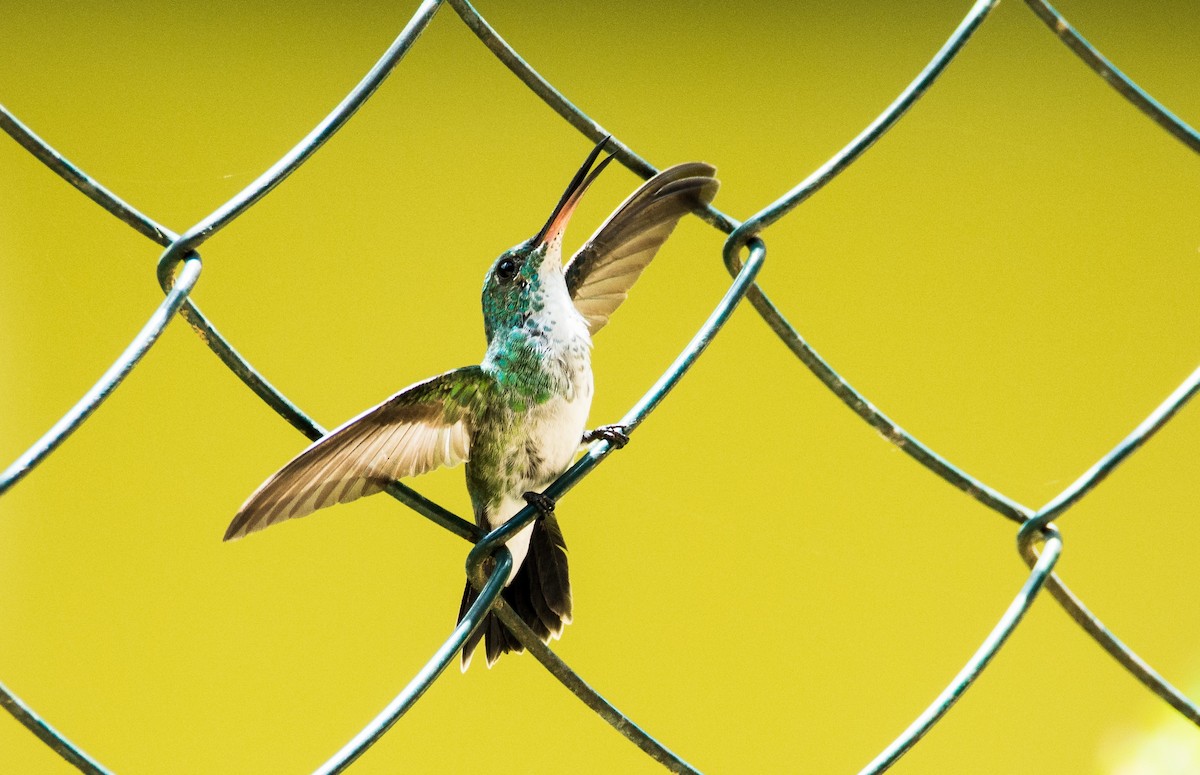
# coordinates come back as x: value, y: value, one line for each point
x: 760, y: 580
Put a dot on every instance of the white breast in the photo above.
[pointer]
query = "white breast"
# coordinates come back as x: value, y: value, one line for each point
x: 554, y: 429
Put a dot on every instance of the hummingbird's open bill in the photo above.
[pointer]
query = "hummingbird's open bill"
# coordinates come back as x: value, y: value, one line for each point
x: 517, y: 419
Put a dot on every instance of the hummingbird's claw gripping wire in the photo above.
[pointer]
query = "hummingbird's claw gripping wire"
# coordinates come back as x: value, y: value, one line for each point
x: 616, y: 435
x: 540, y: 501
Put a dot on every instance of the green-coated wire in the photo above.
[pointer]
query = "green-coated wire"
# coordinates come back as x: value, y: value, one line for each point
x: 110, y: 380
x: 589, y: 696
x: 179, y: 255
x: 415, y: 688
x: 73, y: 754
x: 492, y: 545
x: 978, y: 661
x: 1136, y: 95
x: 893, y: 432
x: 1107, y: 464
x: 1071, y: 495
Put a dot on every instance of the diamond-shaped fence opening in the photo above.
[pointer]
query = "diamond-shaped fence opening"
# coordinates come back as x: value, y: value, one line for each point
x: 746, y: 248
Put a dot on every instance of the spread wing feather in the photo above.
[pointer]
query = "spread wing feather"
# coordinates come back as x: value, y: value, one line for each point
x: 600, y: 275
x: 422, y: 427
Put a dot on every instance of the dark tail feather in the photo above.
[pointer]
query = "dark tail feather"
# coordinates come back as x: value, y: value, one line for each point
x: 469, y: 597
x: 548, y: 553
x: 540, y: 593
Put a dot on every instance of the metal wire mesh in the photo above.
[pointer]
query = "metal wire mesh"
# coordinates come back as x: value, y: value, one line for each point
x: 745, y: 251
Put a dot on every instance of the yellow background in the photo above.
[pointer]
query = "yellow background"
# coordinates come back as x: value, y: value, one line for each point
x: 761, y: 581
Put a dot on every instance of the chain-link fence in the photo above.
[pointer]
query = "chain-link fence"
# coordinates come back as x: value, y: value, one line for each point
x: 745, y: 251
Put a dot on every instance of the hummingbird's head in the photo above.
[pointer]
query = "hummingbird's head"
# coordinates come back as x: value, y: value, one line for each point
x: 520, y: 281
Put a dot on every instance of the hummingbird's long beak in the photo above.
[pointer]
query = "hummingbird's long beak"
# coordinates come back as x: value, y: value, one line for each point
x: 570, y: 198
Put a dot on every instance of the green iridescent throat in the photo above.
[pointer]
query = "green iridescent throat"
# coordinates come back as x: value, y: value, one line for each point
x: 513, y: 359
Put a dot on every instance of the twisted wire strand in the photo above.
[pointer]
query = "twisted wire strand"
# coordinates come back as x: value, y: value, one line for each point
x: 207, y: 332
x: 739, y: 234
x: 180, y: 250
x: 148, y: 227
x: 226, y: 213
x: 924, y: 455
x: 492, y: 545
x: 774, y: 318
x: 843, y: 158
x: 1041, y: 566
x: 990, y: 497
x: 1071, y: 495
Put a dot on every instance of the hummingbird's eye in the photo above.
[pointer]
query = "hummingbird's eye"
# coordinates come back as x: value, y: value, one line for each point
x: 506, y: 270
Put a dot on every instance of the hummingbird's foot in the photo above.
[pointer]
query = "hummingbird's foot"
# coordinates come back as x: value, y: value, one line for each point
x: 542, y: 502
x: 616, y: 435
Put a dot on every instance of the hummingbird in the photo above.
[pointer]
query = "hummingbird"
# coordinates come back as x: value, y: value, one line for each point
x: 518, y: 418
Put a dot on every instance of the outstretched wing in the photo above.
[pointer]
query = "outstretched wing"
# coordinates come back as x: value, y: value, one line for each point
x: 600, y: 275
x: 420, y: 428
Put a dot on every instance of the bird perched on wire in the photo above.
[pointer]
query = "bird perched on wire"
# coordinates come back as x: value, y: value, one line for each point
x: 517, y: 419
